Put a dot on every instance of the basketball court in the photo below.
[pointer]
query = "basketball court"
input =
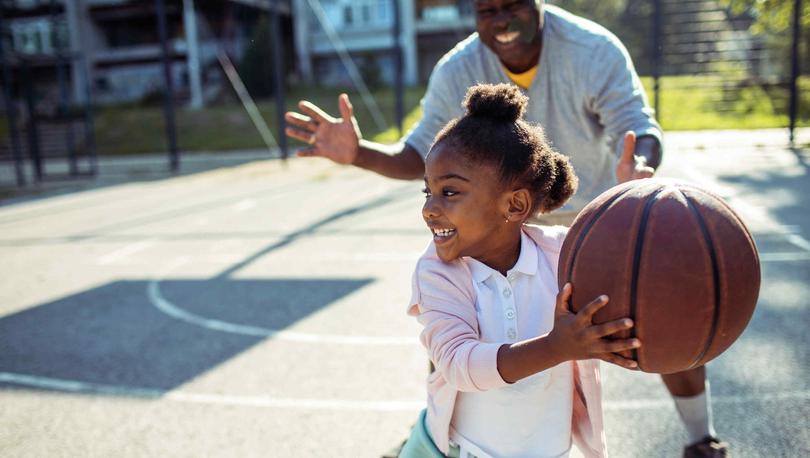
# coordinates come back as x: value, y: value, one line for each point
x: 259, y: 310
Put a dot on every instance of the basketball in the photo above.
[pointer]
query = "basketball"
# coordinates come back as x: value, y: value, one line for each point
x: 673, y: 257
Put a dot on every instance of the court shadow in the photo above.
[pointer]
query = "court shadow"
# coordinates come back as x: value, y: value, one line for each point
x: 124, y: 333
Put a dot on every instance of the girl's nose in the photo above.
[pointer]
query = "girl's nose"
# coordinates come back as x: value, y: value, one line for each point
x: 430, y: 210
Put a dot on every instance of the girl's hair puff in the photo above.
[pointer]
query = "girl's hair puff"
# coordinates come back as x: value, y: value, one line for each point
x: 494, y: 133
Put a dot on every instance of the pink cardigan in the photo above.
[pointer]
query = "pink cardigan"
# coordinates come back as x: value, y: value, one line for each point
x: 444, y: 302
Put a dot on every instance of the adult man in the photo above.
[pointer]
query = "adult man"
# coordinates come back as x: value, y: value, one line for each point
x: 585, y: 93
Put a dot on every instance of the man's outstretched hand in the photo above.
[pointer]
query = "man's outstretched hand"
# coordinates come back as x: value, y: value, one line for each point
x: 337, y: 139
x: 631, y: 166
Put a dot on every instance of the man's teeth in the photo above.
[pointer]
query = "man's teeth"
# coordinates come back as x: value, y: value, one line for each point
x: 506, y: 37
x: 443, y: 232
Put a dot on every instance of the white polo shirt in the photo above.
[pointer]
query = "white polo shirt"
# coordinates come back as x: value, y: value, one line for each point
x: 531, y: 417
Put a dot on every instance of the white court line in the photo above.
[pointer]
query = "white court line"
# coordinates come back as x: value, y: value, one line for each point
x: 167, y: 307
x: 244, y: 205
x: 784, y: 257
x: 73, y: 386
x: 799, y: 241
x: 125, y: 252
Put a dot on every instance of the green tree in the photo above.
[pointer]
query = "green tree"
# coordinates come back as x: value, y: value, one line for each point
x: 773, y: 20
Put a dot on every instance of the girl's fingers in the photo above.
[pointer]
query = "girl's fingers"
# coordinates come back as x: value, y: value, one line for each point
x: 300, y: 121
x: 316, y: 113
x: 619, y: 361
x: 615, y: 346
x: 564, y: 298
x: 611, y: 327
x: 586, y: 314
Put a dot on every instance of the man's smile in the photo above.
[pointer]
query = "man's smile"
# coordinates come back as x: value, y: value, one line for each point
x: 507, y: 37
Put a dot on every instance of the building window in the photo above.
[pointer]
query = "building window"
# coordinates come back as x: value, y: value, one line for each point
x: 34, y: 36
x: 347, y: 15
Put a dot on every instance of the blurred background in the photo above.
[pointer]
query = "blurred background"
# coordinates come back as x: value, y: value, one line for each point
x: 89, y: 78
x: 170, y: 285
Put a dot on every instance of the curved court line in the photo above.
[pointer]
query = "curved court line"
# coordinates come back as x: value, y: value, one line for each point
x: 73, y: 386
x: 168, y: 308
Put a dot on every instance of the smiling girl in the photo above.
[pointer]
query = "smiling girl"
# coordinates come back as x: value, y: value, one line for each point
x: 517, y: 373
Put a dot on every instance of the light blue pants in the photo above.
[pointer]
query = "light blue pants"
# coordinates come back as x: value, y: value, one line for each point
x: 420, y: 445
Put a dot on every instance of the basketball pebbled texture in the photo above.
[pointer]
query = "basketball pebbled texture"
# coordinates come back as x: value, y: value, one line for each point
x: 674, y: 258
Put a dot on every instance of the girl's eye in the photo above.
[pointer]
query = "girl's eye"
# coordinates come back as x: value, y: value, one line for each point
x: 449, y: 192
x: 426, y: 192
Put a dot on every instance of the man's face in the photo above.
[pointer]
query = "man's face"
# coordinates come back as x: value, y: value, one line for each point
x: 511, y: 29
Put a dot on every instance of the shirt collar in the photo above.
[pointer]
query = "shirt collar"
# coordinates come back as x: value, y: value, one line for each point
x: 526, y: 263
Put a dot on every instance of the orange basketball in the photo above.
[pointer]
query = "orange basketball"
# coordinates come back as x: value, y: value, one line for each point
x: 674, y: 258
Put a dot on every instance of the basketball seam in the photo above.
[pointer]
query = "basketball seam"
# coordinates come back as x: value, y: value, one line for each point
x: 581, y: 237
x: 642, y: 228
x: 715, y: 274
x: 737, y: 218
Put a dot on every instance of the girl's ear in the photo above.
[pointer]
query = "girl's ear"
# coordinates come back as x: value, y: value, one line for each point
x: 519, y: 205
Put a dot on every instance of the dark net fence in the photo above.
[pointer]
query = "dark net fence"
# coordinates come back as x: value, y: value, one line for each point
x: 729, y: 60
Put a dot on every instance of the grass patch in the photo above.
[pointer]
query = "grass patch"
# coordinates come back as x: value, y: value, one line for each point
x: 687, y: 103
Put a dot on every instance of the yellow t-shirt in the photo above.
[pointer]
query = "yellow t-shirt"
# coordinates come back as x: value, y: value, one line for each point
x: 524, y: 80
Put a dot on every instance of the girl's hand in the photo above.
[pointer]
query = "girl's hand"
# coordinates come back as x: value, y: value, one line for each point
x: 575, y: 336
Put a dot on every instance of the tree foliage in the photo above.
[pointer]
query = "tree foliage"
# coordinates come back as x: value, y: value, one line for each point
x: 773, y: 20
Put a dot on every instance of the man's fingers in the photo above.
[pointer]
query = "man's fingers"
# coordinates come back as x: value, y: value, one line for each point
x: 587, y: 313
x: 346, y: 110
x: 316, y: 113
x: 629, y: 147
x: 300, y: 121
x: 298, y: 134
x: 307, y: 152
x: 619, y: 361
x: 646, y: 172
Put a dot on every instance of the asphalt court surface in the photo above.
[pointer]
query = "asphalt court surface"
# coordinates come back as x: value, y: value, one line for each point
x: 258, y: 310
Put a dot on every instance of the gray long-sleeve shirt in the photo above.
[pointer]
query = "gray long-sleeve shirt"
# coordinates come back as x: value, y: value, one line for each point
x: 586, y: 95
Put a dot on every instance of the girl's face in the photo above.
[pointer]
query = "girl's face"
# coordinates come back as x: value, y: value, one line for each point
x: 466, y: 208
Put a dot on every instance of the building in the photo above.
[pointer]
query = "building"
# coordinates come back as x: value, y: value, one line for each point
x: 114, y: 47
x: 363, y: 29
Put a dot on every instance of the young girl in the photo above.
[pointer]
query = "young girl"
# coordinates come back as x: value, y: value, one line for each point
x: 514, y: 375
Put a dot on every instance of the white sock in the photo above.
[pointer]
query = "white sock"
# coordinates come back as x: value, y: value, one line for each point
x: 696, y: 413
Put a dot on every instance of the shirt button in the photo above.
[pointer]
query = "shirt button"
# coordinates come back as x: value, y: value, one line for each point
x: 507, y: 292
x: 512, y: 334
x: 510, y: 314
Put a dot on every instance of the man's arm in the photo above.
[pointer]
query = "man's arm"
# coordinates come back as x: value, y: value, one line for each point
x: 399, y: 161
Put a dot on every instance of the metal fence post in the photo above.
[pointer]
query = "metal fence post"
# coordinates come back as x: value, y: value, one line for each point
x: 794, y: 58
x: 168, y: 96
x: 398, y: 85
x: 278, y: 61
x: 657, y: 49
